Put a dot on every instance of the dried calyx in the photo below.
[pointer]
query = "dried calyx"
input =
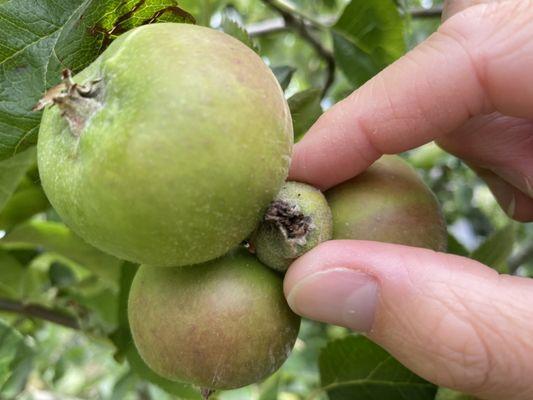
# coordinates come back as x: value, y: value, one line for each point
x: 77, y: 103
x: 287, y: 217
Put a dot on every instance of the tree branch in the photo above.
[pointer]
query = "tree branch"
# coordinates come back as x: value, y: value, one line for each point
x: 37, y: 311
x: 275, y: 25
x: 300, y: 26
x: 435, y: 12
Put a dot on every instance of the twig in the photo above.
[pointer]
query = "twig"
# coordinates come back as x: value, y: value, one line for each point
x: 300, y: 26
x: 523, y: 256
x: 275, y: 25
x: 37, y: 311
x: 435, y: 12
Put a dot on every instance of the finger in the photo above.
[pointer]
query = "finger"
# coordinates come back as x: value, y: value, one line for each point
x: 516, y: 204
x: 452, y: 7
x: 499, y: 149
x: 503, y: 145
x: 478, y: 62
x: 450, y: 319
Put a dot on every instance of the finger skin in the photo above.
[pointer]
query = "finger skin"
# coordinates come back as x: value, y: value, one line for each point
x: 477, y: 63
x: 500, y: 150
x: 450, y: 319
x: 452, y: 7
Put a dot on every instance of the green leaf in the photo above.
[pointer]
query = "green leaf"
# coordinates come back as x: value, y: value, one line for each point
x: 41, y: 37
x: 284, y: 75
x: 121, y: 337
x: 16, y: 360
x: 368, y: 36
x: 11, y: 276
x: 448, y: 394
x: 268, y: 390
x: 427, y: 156
x: 455, y: 247
x: 60, y: 275
x: 12, y: 171
x: 356, y: 368
x: 305, y: 110
x: 27, y: 201
x: 234, y: 29
x: 56, y: 237
x: 497, y: 248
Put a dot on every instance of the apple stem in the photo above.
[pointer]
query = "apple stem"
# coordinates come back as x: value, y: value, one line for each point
x: 77, y: 102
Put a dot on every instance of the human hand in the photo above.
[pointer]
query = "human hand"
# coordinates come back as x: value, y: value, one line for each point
x: 450, y: 319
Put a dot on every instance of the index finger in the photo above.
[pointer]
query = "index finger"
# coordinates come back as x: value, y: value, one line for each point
x: 478, y: 62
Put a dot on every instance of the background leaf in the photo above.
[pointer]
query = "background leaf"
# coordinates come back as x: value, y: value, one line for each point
x: 284, y: 75
x: 497, y: 248
x: 56, y: 237
x: 12, y: 171
x: 39, y: 38
x: 448, y: 394
x: 368, y: 36
x: 355, y: 368
x: 234, y: 29
x: 12, y: 275
x: 305, y: 110
x: 16, y: 358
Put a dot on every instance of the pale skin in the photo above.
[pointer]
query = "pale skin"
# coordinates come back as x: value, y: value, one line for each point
x: 450, y: 319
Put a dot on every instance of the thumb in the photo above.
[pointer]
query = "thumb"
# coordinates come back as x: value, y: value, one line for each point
x: 450, y: 319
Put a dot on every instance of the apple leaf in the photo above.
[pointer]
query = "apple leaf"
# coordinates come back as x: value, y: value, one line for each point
x: 57, y: 238
x: 39, y: 38
x: 356, y: 368
x: 497, y: 248
x: 16, y: 361
x: 305, y: 110
x: 368, y: 36
x: 284, y: 75
x: 236, y: 30
x: 12, y: 172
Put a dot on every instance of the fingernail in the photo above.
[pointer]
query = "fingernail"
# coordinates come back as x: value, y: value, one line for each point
x: 339, y: 296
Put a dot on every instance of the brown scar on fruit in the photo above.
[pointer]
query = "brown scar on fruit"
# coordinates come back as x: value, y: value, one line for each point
x: 76, y: 102
x: 288, y: 218
x: 117, y: 28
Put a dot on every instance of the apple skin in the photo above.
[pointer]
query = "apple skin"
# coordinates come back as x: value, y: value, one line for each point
x: 389, y: 202
x: 176, y: 164
x: 219, y: 325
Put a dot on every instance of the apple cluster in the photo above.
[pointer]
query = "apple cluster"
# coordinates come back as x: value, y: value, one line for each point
x: 169, y: 151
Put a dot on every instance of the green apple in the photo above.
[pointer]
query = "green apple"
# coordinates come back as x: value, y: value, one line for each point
x: 219, y: 325
x: 388, y: 203
x: 167, y: 149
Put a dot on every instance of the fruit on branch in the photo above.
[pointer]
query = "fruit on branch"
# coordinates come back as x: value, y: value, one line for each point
x: 297, y: 220
x: 219, y: 325
x: 388, y: 203
x: 168, y: 148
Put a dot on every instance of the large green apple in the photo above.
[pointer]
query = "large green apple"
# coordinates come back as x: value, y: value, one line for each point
x: 219, y: 325
x: 388, y: 203
x: 170, y: 146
